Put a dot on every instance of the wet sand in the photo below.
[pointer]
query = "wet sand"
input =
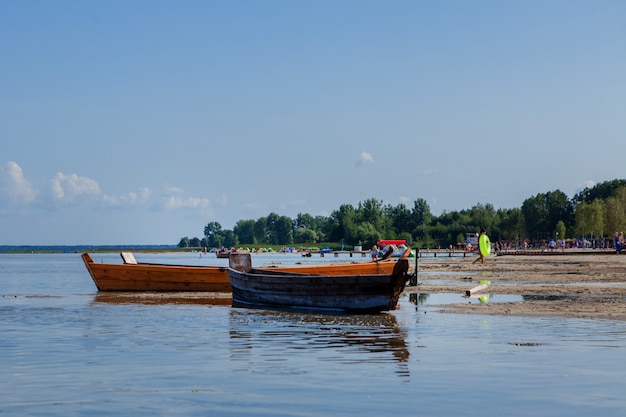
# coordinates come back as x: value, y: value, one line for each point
x: 574, y: 284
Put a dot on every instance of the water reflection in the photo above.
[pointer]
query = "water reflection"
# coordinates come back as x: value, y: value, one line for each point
x: 418, y: 298
x: 159, y: 298
x: 423, y: 299
x: 259, y: 337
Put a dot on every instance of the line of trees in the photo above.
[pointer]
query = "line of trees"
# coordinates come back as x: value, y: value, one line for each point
x: 596, y: 212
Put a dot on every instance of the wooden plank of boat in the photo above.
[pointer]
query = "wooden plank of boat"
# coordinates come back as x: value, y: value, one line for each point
x: 351, y: 293
x: 128, y: 258
x: 340, y: 268
x: 480, y: 288
x: 156, y: 277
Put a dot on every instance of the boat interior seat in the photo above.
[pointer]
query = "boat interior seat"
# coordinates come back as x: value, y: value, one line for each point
x: 128, y: 258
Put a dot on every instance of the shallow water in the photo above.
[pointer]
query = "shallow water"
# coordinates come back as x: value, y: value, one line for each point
x: 68, y: 351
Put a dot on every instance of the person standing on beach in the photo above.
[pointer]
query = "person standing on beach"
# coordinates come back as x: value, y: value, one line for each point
x: 481, y: 257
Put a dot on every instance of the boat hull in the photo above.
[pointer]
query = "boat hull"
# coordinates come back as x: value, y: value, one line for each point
x: 157, y: 277
x: 352, y: 293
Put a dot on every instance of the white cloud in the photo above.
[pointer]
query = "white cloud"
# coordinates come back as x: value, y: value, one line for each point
x: 15, y: 185
x: 170, y: 189
x: 586, y: 184
x: 173, y: 200
x: 365, y: 158
x: 128, y: 199
x: 68, y: 189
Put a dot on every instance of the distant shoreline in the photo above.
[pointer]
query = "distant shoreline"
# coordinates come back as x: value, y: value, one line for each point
x: 6, y: 249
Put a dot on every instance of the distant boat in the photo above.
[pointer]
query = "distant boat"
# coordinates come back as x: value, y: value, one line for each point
x: 222, y: 253
x: 137, y: 276
x: 399, y: 247
x: 353, y: 292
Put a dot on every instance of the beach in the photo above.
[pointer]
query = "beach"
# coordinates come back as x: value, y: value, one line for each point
x: 581, y: 284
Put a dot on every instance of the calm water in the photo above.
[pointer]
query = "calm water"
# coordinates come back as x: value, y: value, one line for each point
x: 67, y: 351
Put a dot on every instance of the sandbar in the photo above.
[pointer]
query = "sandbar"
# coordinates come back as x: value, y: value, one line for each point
x: 581, y: 284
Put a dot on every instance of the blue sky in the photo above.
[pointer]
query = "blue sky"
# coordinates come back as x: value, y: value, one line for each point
x: 140, y: 122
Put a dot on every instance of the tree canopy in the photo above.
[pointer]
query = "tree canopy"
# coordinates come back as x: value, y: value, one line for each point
x: 596, y: 212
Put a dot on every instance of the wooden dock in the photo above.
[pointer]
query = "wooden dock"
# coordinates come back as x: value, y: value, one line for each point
x: 351, y: 253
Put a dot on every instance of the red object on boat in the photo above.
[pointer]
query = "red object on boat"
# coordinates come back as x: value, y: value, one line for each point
x: 391, y: 242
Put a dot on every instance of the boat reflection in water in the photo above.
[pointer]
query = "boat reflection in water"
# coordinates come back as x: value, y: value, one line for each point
x: 258, y: 335
x: 159, y: 298
x: 266, y: 339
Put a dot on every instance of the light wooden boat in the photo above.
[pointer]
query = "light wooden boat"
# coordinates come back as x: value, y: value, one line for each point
x: 134, y: 276
x: 355, y: 292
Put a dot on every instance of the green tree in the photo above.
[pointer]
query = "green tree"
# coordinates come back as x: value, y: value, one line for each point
x: 309, y: 229
x: 422, y: 218
x: 590, y: 219
x: 304, y: 235
x: 448, y: 226
x: 271, y: 220
x: 600, y: 191
x: 559, y: 208
x: 367, y: 235
x: 228, y: 239
x: 615, y: 211
x: 482, y: 216
x: 260, y: 230
x: 343, y: 224
x: 212, y: 232
x: 305, y: 220
x: 400, y: 218
x: 421, y: 212
x: 322, y: 226
x: 560, y: 229
x: 244, y: 230
x: 509, y: 225
x: 184, y: 242
x: 597, y: 218
x: 542, y: 213
x: 283, y: 230
x: 371, y: 211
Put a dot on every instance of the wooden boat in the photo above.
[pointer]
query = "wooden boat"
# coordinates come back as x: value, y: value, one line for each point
x: 222, y: 253
x: 356, y: 292
x: 134, y: 276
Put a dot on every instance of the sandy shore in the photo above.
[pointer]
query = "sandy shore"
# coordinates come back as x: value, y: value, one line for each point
x: 570, y: 284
